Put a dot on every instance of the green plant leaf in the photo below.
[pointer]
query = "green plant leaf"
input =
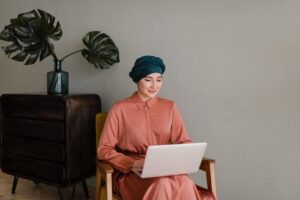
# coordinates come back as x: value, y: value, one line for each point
x: 21, y: 56
x: 30, y: 35
x: 46, y: 51
x: 22, y: 31
x: 32, y: 58
x: 10, y: 48
x: 5, y: 34
x: 55, y: 33
x: 101, y: 50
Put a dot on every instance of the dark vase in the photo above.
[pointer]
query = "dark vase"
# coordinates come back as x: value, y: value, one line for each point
x: 57, y: 80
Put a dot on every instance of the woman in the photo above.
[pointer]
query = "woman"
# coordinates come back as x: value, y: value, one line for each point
x: 136, y: 122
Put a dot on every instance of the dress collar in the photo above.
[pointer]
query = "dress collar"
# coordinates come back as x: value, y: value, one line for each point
x: 149, y: 103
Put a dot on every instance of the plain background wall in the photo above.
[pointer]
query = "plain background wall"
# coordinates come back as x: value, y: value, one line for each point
x: 233, y: 68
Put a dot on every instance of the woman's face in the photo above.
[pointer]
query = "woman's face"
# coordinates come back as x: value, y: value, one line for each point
x: 149, y: 86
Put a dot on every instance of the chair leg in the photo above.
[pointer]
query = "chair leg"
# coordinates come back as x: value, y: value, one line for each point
x: 98, y: 185
x: 15, y: 182
x: 85, y: 189
x: 60, y: 194
x: 73, y: 192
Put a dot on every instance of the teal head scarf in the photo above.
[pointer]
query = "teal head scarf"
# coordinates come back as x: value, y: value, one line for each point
x: 146, y: 65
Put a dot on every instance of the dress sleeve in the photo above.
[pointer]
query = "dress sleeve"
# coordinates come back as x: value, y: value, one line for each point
x: 179, y: 134
x: 107, y: 144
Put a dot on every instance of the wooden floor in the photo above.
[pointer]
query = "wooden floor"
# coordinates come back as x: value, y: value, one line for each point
x: 27, y: 190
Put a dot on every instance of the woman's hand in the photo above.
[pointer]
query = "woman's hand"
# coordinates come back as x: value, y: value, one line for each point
x: 138, y: 164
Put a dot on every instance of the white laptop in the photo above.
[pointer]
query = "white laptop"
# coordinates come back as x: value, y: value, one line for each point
x: 172, y: 159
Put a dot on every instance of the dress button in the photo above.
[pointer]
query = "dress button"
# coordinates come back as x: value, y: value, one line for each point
x: 146, y: 109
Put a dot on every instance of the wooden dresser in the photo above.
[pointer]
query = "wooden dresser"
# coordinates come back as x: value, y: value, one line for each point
x: 49, y: 138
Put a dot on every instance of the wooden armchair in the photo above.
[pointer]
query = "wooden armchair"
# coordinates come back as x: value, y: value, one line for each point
x: 104, y: 188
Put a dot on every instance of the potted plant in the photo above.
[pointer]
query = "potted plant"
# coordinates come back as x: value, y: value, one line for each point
x: 30, y: 35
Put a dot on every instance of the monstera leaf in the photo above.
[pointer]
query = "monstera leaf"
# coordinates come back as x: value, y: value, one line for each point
x: 101, y: 50
x: 30, y: 35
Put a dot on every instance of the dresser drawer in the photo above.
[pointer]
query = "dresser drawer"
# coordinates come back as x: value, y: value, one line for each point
x: 32, y: 168
x: 34, y: 148
x: 52, y: 130
x: 33, y: 106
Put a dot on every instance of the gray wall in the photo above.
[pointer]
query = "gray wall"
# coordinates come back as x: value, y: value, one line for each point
x: 233, y: 67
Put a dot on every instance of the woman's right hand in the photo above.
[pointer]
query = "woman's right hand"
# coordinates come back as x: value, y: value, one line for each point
x: 138, y: 164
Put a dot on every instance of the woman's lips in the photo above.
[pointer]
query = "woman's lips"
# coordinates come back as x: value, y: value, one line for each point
x: 152, y: 91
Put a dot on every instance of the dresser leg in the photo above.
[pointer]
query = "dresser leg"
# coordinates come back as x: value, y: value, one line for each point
x: 60, y: 194
x: 73, y: 192
x: 85, y: 189
x: 14, y: 184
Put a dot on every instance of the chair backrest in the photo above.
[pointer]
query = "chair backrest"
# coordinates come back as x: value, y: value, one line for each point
x: 100, y: 120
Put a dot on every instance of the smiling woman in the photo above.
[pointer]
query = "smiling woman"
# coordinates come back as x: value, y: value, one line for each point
x: 147, y: 73
x: 149, y: 86
x: 135, y: 123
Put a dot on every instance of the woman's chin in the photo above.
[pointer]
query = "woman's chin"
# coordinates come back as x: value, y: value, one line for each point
x: 152, y: 95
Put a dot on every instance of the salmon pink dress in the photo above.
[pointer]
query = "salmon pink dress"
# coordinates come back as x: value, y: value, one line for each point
x: 131, y: 126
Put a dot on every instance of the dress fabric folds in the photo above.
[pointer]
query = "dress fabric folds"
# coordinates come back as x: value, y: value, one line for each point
x: 131, y: 126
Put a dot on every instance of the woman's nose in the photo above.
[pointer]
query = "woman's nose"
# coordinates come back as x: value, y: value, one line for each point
x: 153, y: 84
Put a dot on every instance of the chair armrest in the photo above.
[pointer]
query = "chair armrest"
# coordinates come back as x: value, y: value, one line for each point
x: 208, y: 165
x: 104, y: 167
x: 104, y: 172
x: 206, y: 162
